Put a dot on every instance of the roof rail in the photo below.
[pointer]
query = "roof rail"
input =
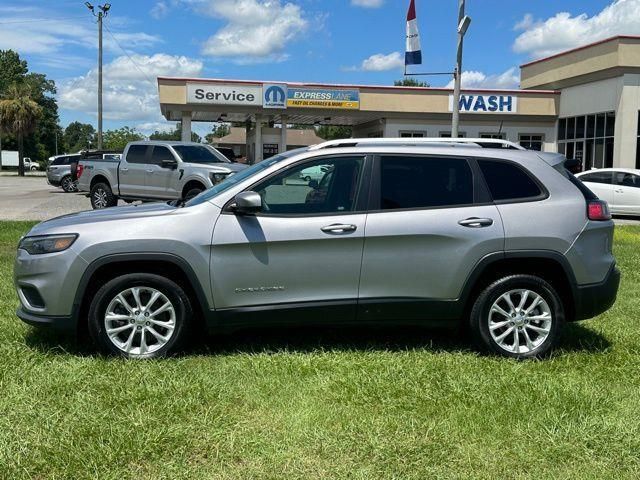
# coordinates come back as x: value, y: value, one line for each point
x: 414, y: 142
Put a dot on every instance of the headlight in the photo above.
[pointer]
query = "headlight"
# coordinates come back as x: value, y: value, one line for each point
x: 217, y: 177
x: 47, y: 243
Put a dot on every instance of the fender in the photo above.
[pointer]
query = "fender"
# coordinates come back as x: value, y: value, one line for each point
x: 179, y: 262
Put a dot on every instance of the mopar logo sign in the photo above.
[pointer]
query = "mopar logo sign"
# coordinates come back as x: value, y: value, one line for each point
x: 275, y: 96
x: 472, y: 103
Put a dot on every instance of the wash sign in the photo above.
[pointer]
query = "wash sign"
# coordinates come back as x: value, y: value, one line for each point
x: 323, y: 98
x: 472, y: 103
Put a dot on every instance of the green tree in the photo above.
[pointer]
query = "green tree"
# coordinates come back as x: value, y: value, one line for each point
x: 334, y: 132
x: 118, y: 139
x: 79, y: 136
x: 220, y: 130
x: 41, y: 143
x: 174, y: 135
x: 18, y: 115
x: 410, y: 82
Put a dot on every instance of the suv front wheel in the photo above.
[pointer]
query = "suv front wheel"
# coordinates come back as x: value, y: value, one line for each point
x: 518, y: 316
x: 140, y: 315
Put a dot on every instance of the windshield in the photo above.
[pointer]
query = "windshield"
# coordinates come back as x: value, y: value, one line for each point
x: 234, y: 179
x: 199, y: 154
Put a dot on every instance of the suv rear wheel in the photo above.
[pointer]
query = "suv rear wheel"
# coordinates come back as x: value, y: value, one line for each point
x: 68, y: 185
x: 102, y: 196
x: 140, y: 316
x: 518, y: 316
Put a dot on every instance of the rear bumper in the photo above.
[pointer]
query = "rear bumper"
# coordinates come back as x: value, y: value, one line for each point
x: 594, y: 299
x: 64, y: 323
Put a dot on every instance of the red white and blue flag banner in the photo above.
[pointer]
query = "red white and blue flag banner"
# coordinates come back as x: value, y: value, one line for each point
x: 413, y: 54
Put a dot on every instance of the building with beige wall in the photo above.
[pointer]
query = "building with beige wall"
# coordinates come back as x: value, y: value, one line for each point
x: 583, y: 102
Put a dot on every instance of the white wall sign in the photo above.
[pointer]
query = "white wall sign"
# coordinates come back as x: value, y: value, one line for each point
x: 221, y: 94
x: 474, y: 103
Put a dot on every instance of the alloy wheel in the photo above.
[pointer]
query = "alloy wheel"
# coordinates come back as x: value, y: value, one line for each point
x: 100, y: 198
x: 520, y: 321
x: 140, y: 320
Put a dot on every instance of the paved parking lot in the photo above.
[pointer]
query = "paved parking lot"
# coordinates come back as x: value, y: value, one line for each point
x: 31, y: 198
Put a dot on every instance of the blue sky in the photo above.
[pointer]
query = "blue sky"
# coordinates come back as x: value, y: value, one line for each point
x: 333, y: 41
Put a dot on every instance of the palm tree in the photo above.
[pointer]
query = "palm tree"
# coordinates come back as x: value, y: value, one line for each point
x: 19, y: 114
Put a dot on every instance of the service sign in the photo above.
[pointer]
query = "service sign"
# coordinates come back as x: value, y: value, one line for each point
x: 221, y: 94
x: 472, y: 103
x: 323, y: 98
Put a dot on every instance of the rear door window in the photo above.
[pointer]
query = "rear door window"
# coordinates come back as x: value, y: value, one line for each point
x: 424, y: 182
x: 137, y: 154
x: 508, y: 181
x: 598, y: 177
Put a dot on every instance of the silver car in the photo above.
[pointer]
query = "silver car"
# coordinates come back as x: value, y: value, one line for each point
x: 504, y: 242
x: 59, y: 172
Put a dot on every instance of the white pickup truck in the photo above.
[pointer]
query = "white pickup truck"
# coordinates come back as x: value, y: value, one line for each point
x: 10, y: 158
x: 154, y: 170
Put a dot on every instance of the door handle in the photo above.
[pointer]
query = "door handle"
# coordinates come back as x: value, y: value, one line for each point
x: 339, y: 228
x: 475, y: 222
x: 619, y: 191
x: 124, y: 170
x: 150, y: 171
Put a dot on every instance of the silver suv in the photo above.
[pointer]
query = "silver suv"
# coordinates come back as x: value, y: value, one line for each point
x: 503, y: 241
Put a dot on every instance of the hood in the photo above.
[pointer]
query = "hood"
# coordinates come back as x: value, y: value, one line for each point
x: 219, y: 167
x: 63, y: 223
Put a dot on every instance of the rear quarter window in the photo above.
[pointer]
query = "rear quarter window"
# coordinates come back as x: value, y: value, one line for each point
x: 509, y: 182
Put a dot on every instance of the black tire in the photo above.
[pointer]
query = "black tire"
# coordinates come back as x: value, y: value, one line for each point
x: 102, y: 197
x: 179, y: 300
x: 480, y: 317
x: 192, y: 192
x: 68, y: 185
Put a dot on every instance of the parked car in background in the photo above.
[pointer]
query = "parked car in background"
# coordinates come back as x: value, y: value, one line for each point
x: 154, y: 170
x: 316, y: 173
x: 619, y: 187
x: 503, y: 242
x: 59, y: 172
x: 93, y: 155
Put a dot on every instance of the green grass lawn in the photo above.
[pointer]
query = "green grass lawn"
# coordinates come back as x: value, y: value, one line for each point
x: 372, y: 403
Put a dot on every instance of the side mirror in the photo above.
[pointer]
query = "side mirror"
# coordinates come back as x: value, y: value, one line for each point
x: 169, y: 163
x: 248, y: 203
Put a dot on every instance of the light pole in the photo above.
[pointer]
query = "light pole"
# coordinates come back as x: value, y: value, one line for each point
x: 463, y: 25
x: 102, y: 12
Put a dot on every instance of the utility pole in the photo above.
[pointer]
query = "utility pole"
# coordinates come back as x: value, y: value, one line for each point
x: 463, y: 25
x: 102, y: 12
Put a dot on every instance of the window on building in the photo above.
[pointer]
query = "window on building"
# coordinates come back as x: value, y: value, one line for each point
x: 531, y: 142
x: 588, y: 138
x: 448, y: 134
x: 408, y: 134
x: 424, y: 182
x: 507, y: 181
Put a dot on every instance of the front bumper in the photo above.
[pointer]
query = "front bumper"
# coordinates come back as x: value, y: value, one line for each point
x: 60, y: 322
x: 594, y: 299
x: 54, y: 180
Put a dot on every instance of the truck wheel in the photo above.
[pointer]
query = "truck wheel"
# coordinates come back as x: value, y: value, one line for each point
x: 192, y: 192
x: 68, y: 185
x: 140, y: 315
x: 102, y: 196
x: 518, y: 316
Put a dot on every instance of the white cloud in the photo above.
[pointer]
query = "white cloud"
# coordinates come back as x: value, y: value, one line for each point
x: 159, y: 10
x: 256, y: 30
x: 147, y: 128
x: 130, y: 91
x: 474, y: 79
x: 380, y: 62
x: 23, y: 31
x: 564, y: 31
x: 367, y: 3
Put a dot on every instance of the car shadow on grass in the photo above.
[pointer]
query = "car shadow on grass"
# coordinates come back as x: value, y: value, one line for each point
x: 310, y: 339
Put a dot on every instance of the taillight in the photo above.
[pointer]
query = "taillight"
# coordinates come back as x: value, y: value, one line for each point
x: 79, y: 170
x: 598, y: 210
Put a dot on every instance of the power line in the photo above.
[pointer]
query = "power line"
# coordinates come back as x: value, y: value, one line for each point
x: 135, y: 64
